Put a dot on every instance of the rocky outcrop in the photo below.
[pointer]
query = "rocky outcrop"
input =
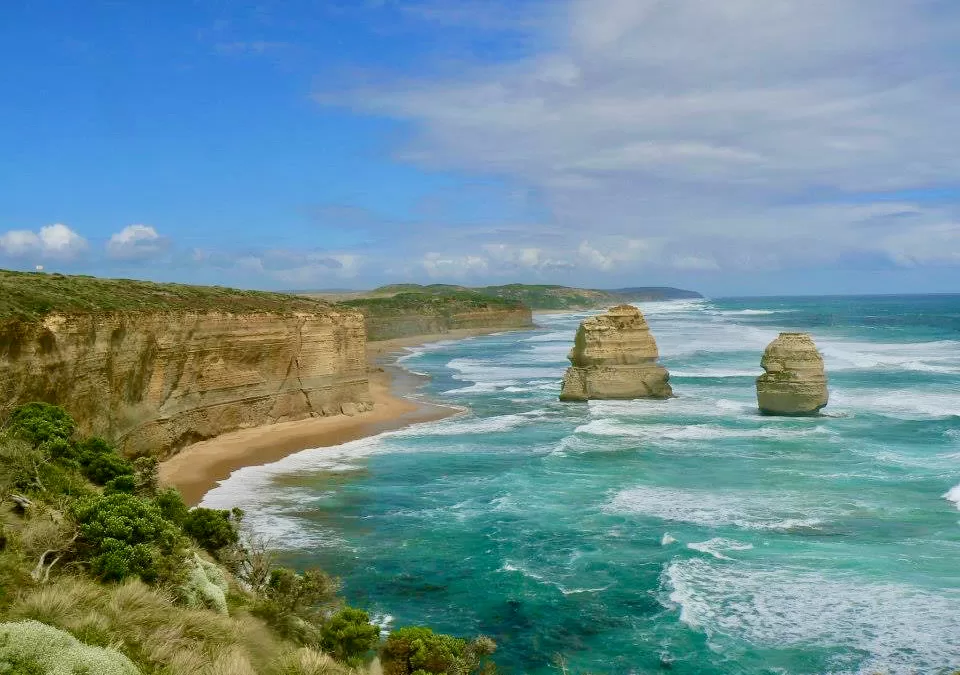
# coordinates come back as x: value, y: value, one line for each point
x: 157, y: 381
x: 615, y: 357
x: 794, y: 382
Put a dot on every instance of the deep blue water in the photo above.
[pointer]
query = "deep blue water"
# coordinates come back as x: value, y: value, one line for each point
x: 684, y: 536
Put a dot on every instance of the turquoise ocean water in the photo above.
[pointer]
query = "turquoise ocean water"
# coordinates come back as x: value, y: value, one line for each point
x: 684, y: 536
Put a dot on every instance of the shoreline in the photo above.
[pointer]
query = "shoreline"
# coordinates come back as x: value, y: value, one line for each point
x: 200, y: 467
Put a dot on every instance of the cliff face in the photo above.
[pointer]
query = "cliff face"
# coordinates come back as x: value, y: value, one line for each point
x: 156, y: 381
x: 794, y: 382
x: 407, y: 324
x: 615, y: 357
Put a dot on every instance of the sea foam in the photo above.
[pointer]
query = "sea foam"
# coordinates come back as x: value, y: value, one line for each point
x: 904, y: 629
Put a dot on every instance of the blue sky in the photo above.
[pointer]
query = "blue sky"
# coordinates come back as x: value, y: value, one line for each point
x: 742, y: 147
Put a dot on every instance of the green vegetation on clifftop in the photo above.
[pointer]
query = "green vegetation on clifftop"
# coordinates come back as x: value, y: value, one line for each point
x: 534, y: 296
x: 31, y: 295
x: 102, y: 571
x: 565, y: 297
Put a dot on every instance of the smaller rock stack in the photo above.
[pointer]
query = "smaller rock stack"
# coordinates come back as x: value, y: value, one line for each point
x: 794, y: 382
x: 614, y: 356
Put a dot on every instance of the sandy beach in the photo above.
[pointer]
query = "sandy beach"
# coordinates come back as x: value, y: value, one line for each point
x: 199, y: 467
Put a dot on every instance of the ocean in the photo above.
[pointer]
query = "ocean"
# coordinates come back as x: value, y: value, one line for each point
x: 685, y: 536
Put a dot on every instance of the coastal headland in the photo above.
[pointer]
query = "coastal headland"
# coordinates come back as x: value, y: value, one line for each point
x: 199, y: 467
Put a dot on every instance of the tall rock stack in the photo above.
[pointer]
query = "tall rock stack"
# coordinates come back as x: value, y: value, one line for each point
x: 794, y: 382
x: 614, y: 356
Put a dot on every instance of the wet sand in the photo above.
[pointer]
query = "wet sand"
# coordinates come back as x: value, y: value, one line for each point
x: 200, y: 467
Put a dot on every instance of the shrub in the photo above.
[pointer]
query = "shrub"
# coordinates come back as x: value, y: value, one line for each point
x: 292, y: 603
x: 41, y: 422
x: 205, y: 586
x: 213, y: 529
x: 418, y: 650
x: 125, y: 483
x: 172, y: 506
x: 348, y: 635
x: 147, y: 472
x: 124, y: 535
x: 32, y: 647
x: 100, y: 462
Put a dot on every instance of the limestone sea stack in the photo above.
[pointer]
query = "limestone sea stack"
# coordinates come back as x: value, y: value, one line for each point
x: 794, y: 382
x: 614, y: 356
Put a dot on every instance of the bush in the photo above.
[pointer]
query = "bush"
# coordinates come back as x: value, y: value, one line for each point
x: 125, y: 483
x: 147, y: 472
x: 124, y: 536
x: 100, y: 462
x: 348, y: 635
x: 418, y: 650
x: 292, y: 603
x: 31, y: 647
x: 206, y: 586
x: 172, y: 506
x: 213, y: 529
x: 41, y: 422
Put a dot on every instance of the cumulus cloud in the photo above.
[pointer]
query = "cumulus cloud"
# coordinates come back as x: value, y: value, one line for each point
x: 722, y: 134
x: 55, y: 241
x: 136, y: 242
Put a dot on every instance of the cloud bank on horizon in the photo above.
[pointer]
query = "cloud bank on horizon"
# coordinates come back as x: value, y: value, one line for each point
x: 600, y: 142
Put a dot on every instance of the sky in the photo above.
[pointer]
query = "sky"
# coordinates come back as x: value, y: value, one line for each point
x: 734, y: 147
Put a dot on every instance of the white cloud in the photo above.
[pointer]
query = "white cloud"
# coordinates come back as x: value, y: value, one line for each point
x: 136, y: 242
x: 55, y: 241
x: 724, y: 134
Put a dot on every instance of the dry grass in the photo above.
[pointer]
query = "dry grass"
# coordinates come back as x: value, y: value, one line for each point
x: 162, y: 637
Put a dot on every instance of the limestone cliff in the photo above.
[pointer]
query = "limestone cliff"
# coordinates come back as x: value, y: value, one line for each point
x: 155, y: 381
x: 794, y: 382
x: 411, y: 314
x: 615, y: 357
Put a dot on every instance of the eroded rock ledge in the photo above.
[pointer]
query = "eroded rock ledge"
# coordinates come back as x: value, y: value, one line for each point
x: 795, y: 382
x: 615, y: 357
x: 157, y: 381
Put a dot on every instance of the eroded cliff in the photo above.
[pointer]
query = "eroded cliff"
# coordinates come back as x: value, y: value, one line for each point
x: 614, y: 356
x: 415, y: 313
x: 155, y: 381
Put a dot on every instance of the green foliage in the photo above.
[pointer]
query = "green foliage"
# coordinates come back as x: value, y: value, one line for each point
x: 41, y: 422
x: 29, y: 295
x: 100, y: 462
x: 31, y: 647
x: 292, y: 604
x: 172, y: 506
x: 124, y: 536
x: 124, y: 483
x: 101, y: 469
x: 417, y: 650
x: 348, y: 635
x: 213, y: 529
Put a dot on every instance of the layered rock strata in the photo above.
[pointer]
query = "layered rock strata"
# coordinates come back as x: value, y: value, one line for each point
x: 615, y: 357
x: 412, y: 324
x: 156, y: 381
x: 795, y: 382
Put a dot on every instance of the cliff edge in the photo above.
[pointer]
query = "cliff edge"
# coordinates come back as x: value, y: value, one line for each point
x: 155, y: 367
x: 794, y: 381
x: 615, y: 357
